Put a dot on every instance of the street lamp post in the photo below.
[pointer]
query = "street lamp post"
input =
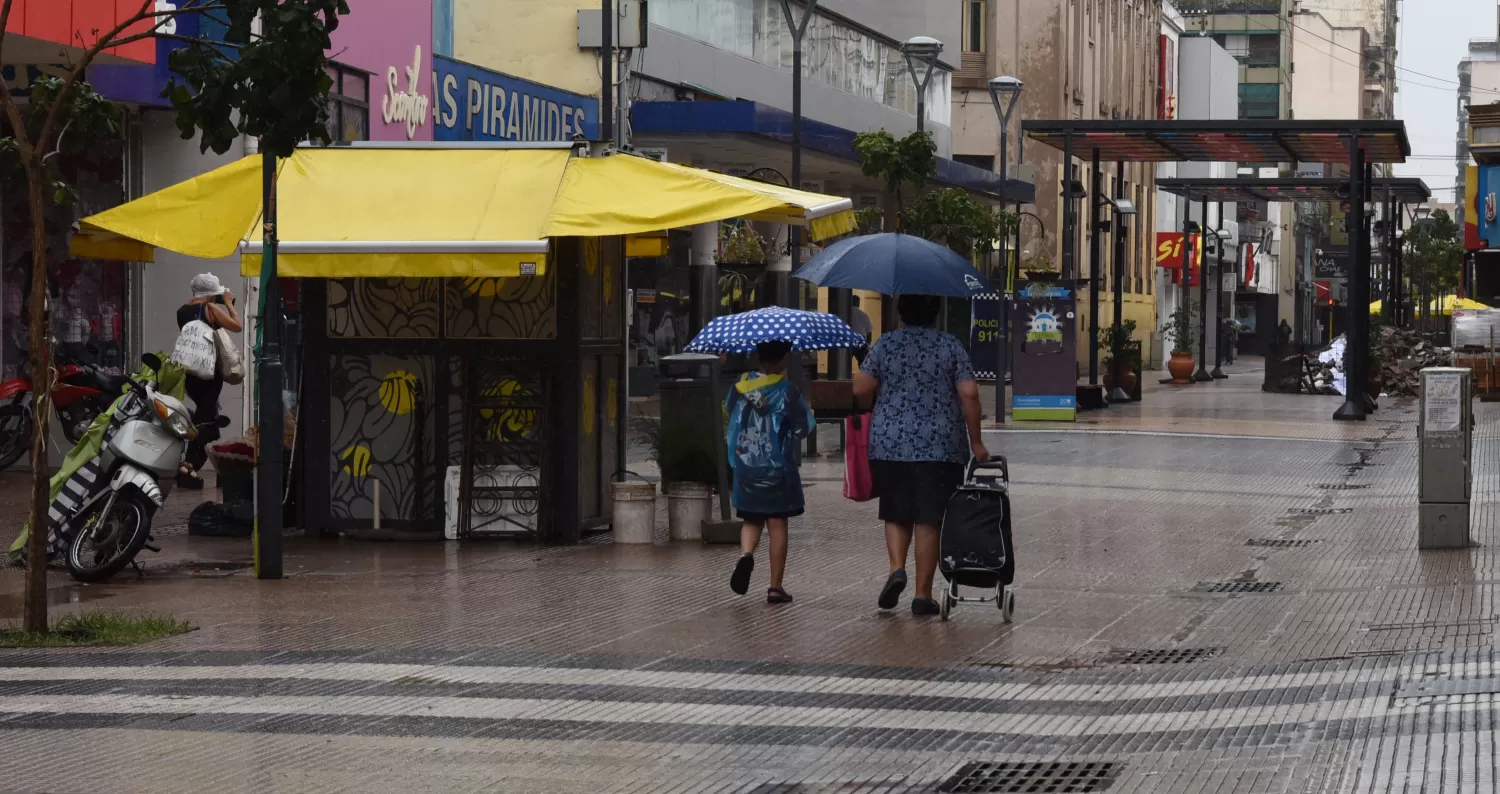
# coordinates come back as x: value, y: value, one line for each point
x: 1224, y: 338
x: 921, y: 54
x: 1004, y: 92
x: 1123, y: 209
x: 781, y: 285
x: 1202, y: 374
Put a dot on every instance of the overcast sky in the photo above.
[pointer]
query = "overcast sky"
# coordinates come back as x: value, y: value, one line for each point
x: 1434, y: 37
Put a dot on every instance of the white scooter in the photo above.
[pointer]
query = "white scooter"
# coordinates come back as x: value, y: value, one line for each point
x: 112, y: 527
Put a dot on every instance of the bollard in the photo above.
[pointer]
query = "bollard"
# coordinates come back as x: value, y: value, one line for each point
x: 1444, y: 471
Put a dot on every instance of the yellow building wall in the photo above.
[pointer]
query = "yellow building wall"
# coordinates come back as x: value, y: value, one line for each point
x: 534, y: 39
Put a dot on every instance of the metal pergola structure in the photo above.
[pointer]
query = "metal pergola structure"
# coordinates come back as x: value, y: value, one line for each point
x: 1360, y: 143
x: 1395, y: 193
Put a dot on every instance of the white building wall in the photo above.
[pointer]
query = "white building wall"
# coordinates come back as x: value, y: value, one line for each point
x: 1328, y: 69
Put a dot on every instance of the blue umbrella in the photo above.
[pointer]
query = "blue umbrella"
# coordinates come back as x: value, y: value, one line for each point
x: 740, y: 333
x: 894, y: 264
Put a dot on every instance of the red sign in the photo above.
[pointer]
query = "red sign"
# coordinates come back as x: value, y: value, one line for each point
x: 79, y: 23
x: 1249, y: 260
x: 1169, y: 250
x: 1166, y: 79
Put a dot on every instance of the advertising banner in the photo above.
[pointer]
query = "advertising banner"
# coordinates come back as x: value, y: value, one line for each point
x: 1044, y: 351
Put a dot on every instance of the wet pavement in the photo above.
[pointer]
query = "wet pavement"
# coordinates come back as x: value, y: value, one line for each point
x: 1218, y: 591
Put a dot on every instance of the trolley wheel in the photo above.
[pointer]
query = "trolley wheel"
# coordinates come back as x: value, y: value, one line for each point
x: 946, y: 604
x: 1007, y: 603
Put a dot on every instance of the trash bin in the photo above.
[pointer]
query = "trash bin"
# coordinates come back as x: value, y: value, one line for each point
x: 686, y: 446
x: 1444, y: 465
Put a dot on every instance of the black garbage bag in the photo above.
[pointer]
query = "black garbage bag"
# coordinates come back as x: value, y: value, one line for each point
x: 212, y: 519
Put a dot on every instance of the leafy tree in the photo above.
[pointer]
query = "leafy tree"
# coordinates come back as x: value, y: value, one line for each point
x: 1433, y: 252
x: 949, y: 216
x: 271, y: 83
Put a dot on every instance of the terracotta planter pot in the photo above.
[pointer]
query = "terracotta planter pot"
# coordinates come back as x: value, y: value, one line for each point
x: 1181, y: 367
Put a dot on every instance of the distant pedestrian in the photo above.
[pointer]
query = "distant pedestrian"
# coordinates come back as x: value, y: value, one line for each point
x: 213, y: 304
x: 923, y: 429
x: 767, y: 416
x: 861, y: 324
x: 1283, y: 334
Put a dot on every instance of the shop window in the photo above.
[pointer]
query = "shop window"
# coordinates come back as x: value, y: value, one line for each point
x: 985, y: 161
x: 348, y: 104
x: 89, y: 298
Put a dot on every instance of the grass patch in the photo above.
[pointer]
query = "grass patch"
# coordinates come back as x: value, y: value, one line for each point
x: 97, y: 628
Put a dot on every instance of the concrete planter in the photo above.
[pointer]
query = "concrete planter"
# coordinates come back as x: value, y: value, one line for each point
x: 688, y: 506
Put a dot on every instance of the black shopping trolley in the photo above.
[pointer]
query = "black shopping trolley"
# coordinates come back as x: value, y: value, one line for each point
x: 975, y: 548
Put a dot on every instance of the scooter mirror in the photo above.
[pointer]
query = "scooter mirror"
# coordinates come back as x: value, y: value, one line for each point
x: 222, y: 421
x: 151, y: 360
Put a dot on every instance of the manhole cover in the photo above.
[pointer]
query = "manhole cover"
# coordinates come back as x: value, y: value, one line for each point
x: 1237, y: 587
x: 985, y: 777
x: 1160, y: 655
x: 1282, y: 543
x: 1320, y: 511
x: 1342, y: 486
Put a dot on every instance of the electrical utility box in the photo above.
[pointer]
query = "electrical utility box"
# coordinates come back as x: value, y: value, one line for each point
x: 630, y: 26
x: 1444, y: 458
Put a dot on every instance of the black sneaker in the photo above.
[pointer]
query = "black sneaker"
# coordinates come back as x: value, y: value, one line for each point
x: 739, y: 581
x: 891, y: 593
x: 925, y: 606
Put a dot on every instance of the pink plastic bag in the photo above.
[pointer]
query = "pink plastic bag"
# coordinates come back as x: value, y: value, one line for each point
x: 858, y: 484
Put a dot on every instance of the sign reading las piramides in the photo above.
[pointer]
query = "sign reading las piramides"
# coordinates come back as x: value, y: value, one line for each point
x: 475, y: 104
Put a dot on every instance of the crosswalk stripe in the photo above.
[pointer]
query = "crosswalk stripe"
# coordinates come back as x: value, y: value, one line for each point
x: 459, y: 674
x: 1063, y: 726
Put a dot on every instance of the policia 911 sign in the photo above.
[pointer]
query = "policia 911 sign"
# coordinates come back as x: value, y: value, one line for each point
x: 475, y: 104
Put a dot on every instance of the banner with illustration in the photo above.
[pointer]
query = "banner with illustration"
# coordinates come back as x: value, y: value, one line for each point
x: 1044, y: 351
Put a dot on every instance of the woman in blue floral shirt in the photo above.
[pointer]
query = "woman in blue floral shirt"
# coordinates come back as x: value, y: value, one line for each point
x: 924, y: 428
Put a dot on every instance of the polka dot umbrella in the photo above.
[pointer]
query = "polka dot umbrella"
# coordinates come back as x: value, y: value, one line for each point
x: 740, y: 333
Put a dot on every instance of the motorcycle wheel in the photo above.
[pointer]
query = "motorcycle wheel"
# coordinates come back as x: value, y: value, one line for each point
x: 103, y: 545
x: 15, y: 434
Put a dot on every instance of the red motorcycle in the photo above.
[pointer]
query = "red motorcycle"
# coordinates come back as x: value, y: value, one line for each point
x: 80, y: 393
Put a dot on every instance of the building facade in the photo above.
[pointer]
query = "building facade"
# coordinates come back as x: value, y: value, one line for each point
x: 1478, y: 84
x: 1375, y: 54
x: 1078, y: 59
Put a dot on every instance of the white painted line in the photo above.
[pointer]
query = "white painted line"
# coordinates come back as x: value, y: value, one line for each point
x: 677, y: 713
x: 418, y: 674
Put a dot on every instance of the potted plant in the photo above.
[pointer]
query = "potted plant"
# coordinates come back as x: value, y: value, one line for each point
x: 1183, y: 336
x: 742, y: 246
x: 1116, y: 339
x: 689, y: 473
x: 1040, y: 268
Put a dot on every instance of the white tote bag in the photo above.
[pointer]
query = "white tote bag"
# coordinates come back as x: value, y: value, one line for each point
x: 231, y: 365
x: 196, y: 351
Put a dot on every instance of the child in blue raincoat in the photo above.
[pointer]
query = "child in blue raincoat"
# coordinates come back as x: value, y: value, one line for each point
x: 767, y: 416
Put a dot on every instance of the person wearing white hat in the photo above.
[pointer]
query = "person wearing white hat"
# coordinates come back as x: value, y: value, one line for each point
x: 212, y: 303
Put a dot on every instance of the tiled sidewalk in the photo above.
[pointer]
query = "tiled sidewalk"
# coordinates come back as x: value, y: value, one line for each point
x: 414, y: 667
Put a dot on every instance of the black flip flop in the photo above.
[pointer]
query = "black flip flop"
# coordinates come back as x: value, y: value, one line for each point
x: 776, y: 595
x: 891, y: 593
x: 925, y: 606
x: 739, y: 581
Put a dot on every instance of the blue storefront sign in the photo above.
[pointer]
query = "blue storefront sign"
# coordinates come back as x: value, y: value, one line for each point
x: 475, y: 104
x: 144, y: 85
x: 1489, y: 225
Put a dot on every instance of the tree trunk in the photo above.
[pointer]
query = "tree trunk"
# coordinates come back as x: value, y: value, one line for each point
x: 41, y: 403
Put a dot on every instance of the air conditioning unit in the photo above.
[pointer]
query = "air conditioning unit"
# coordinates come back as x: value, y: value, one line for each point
x: 814, y: 185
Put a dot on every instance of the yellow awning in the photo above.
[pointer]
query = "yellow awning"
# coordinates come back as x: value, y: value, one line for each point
x: 1444, y: 305
x: 428, y: 212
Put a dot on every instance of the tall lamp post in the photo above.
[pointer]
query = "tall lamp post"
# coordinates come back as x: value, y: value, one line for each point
x: 1004, y: 92
x: 781, y: 284
x: 921, y: 54
x: 1123, y: 208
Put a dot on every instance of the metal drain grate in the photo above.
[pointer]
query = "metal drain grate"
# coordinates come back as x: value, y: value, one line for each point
x: 1237, y: 587
x: 985, y: 777
x: 1320, y: 511
x: 1159, y: 655
x: 1282, y: 543
x: 1342, y: 486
